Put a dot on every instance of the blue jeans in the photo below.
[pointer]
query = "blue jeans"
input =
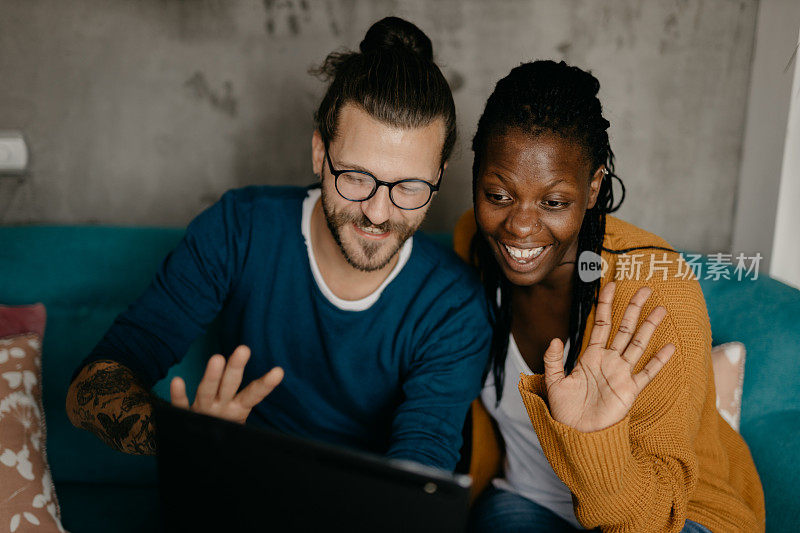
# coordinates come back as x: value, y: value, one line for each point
x: 500, y: 511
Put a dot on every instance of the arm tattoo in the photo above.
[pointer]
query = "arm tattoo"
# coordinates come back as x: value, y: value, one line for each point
x: 107, y: 400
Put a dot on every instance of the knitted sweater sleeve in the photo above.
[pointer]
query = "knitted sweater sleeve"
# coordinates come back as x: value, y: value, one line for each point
x: 638, y: 474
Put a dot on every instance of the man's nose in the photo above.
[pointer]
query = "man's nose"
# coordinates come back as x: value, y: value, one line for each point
x: 378, y: 209
x: 524, y: 221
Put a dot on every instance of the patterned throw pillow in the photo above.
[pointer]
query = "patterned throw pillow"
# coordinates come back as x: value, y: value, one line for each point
x: 728, y: 361
x: 27, y: 495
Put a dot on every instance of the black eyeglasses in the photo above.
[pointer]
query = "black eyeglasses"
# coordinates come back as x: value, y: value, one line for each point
x: 358, y: 186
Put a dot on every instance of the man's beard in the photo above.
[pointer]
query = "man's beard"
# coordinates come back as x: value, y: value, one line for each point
x: 369, y: 262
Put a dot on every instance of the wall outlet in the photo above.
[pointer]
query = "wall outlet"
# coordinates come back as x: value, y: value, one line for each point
x: 13, y: 153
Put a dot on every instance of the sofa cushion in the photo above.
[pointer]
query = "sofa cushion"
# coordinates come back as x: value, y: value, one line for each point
x: 100, y: 508
x: 775, y: 454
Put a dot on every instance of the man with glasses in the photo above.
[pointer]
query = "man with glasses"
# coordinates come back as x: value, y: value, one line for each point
x: 342, y: 324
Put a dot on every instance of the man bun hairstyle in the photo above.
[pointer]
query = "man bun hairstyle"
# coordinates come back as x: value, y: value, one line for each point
x: 392, y: 77
x: 393, y: 31
x: 535, y: 98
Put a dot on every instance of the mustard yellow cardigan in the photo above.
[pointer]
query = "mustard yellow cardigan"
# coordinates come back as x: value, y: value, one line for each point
x: 672, y: 457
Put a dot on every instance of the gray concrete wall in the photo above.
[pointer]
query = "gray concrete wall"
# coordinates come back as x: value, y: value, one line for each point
x: 145, y: 112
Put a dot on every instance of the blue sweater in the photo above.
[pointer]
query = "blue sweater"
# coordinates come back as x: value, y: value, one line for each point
x: 396, y: 378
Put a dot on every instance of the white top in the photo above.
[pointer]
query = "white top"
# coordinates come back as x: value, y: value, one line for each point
x: 345, y: 305
x: 526, y: 469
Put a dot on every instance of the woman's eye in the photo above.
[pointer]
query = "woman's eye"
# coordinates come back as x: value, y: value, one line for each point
x: 497, y: 197
x: 555, y: 204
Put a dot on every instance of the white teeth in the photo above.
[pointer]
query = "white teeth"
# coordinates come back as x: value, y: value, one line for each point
x: 523, y: 255
x: 374, y: 231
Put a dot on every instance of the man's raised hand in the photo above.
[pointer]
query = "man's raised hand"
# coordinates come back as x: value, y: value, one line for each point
x: 602, y: 387
x: 217, y: 392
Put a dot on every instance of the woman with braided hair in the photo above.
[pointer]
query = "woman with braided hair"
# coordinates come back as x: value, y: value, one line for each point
x: 626, y: 435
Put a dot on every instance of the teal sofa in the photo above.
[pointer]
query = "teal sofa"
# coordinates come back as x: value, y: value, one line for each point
x: 86, y: 275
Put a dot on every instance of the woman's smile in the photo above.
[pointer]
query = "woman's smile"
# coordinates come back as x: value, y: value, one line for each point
x: 523, y: 259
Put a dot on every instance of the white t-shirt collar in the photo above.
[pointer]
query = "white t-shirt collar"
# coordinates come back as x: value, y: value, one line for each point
x: 345, y: 305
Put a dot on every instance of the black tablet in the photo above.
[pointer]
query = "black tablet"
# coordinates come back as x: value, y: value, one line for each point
x: 216, y: 475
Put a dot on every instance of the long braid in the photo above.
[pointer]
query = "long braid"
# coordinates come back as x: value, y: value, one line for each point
x: 590, y: 238
x: 535, y: 98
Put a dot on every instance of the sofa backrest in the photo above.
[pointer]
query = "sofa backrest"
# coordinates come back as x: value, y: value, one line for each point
x: 762, y: 314
x: 86, y: 275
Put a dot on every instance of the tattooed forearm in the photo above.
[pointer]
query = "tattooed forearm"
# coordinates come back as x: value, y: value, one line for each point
x: 107, y: 400
x: 106, y: 379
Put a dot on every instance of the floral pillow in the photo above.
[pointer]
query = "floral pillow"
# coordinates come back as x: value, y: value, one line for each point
x: 27, y: 496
